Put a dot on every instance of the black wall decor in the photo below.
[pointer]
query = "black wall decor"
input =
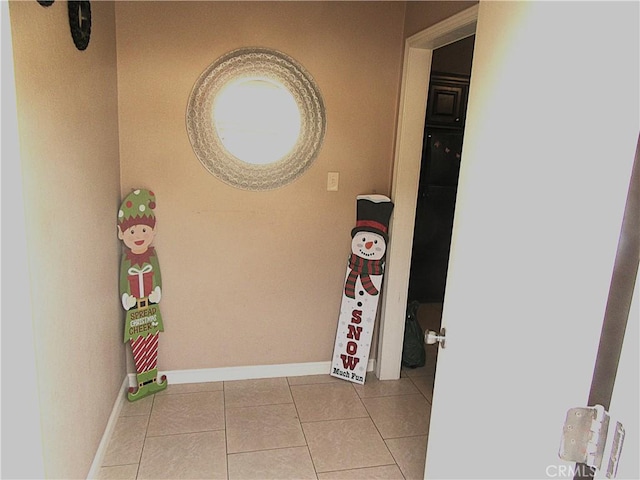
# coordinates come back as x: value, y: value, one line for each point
x: 80, y: 23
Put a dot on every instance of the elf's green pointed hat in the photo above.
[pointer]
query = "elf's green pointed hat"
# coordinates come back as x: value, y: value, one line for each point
x: 137, y: 209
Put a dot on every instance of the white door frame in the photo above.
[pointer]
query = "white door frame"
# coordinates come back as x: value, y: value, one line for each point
x: 416, y: 70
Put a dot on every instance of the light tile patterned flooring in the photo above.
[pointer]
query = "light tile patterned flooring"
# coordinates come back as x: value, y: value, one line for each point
x: 311, y: 427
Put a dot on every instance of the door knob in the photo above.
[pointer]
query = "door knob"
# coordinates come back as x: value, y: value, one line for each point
x: 432, y: 337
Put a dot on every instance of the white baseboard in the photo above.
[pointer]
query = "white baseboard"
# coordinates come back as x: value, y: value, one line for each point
x: 108, y: 431
x: 204, y: 375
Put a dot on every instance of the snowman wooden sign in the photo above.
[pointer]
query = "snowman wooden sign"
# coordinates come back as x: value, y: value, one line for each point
x: 361, y: 291
x: 141, y: 290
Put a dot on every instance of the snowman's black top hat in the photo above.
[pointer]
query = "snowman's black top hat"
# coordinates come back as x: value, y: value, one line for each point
x: 373, y: 214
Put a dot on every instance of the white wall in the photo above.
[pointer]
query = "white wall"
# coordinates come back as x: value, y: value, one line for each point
x: 21, y: 433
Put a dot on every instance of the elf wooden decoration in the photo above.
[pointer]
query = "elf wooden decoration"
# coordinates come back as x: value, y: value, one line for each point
x: 362, y: 288
x: 141, y: 290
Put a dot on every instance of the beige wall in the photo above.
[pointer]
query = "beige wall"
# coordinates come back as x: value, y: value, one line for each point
x: 423, y: 14
x: 255, y: 278
x: 67, y: 118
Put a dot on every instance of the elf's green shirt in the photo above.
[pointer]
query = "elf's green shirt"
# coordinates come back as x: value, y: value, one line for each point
x: 138, y: 271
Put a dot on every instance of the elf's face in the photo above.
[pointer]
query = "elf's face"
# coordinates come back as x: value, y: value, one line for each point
x: 368, y: 245
x: 137, y: 237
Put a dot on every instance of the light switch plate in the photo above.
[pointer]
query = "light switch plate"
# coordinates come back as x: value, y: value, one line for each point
x: 332, y: 181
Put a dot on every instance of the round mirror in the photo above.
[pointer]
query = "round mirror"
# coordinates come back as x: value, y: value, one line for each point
x: 256, y: 119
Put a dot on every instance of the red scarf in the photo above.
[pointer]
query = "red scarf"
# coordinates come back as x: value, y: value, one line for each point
x: 361, y: 267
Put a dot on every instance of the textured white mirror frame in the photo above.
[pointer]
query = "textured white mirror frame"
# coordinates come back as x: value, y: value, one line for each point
x: 245, y: 142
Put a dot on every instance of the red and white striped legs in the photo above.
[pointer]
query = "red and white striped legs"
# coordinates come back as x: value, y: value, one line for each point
x: 145, y: 352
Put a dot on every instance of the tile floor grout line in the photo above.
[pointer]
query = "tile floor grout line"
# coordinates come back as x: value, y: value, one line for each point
x: 226, y: 436
x: 177, y: 434
x: 364, y: 468
x: 146, y: 432
x: 430, y: 402
x: 336, y: 419
x: 272, y: 449
x: 377, y: 429
x: 395, y: 460
x: 380, y: 433
x: 306, y: 442
x: 263, y: 405
x: 393, y: 438
x: 394, y: 395
x: 407, y: 436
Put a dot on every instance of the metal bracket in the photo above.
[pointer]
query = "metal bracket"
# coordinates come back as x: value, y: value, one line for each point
x: 616, y: 448
x: 585, y: 436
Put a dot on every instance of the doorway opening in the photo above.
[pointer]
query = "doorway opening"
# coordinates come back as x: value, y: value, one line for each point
x: 437, y: 186
x: 406, y: 170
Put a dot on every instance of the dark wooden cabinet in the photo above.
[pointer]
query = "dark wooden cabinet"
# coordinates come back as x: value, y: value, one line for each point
x: 441, y: 158
x: 441, y: 154
x: 432, y: 241
x: 434, y: 214
x: 447, y: 100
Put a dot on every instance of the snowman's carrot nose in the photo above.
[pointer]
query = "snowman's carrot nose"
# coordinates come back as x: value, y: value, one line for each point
x: 368, y: 245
